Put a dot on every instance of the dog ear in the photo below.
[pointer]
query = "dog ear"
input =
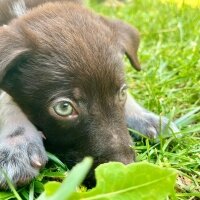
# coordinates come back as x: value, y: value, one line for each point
x: 11, y: 51
x: 129, y: 39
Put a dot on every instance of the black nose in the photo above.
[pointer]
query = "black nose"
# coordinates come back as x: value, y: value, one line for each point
x: 126, y: 157
x: 122, y: 153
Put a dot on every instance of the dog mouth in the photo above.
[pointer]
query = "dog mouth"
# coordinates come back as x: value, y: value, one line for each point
x: 73, y: 158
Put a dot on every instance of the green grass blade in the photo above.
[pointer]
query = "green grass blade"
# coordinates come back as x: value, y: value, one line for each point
x: 56, y: 160
x: 11, y: 186
x: 74, y: 179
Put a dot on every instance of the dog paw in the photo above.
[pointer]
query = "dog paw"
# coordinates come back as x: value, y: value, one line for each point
x: 22, y: 155
x: 150, y: 125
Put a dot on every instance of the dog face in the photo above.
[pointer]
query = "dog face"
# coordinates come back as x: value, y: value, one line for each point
x: 63, y: 65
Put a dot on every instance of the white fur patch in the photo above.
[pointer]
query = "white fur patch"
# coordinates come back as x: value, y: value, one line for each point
x: 12, y: 117
x: 18, y: 8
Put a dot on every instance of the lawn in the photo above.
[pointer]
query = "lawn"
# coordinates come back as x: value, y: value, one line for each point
x: 169, y: 84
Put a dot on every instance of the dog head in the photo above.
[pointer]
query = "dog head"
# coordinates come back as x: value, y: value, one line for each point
x: 63, y: 65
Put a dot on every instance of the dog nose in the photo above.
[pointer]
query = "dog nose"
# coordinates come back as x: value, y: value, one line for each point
x: 121, y: 152
x: 124, y: 155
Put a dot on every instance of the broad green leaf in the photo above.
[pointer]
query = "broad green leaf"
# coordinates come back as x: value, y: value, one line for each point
x: 51, y: 187
x: 6, y: 195
x: 38, y: 187
x: 69, y: 185
x: 137, y: 181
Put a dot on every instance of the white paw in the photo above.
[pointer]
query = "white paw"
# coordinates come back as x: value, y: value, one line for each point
x: 21, y: 157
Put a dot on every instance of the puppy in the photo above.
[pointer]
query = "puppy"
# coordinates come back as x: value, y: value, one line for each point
x: 61, y: 69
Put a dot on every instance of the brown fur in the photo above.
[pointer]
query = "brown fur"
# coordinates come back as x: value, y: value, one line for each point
x: 62, y: 49
x: 57, y: 51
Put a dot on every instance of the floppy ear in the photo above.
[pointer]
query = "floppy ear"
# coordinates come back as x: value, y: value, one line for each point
x: 11, y: 51
x: 129, y: 38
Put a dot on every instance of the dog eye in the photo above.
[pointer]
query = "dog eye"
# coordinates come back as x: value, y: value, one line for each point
x: 123, y: 93
x: 63, y: 108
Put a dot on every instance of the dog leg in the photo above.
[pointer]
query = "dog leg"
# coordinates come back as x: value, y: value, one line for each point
x: 22, y: 153
x: 146, y: 122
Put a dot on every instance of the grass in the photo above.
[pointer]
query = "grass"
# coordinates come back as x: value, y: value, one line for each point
x: 169, y: 85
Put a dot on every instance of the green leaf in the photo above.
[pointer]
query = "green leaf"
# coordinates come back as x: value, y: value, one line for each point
x: 138, y: 181
x: 55, y: 190
x: 6, y: 195
x: 51, y: 187
x: 38, y: 187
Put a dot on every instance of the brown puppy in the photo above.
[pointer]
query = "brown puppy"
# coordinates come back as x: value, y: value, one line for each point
x: 62, y: 65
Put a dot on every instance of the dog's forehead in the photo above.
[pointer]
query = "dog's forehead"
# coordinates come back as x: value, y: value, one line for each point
x: 73, y: 41
x: 69, y: 48
x: 68, y: 28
